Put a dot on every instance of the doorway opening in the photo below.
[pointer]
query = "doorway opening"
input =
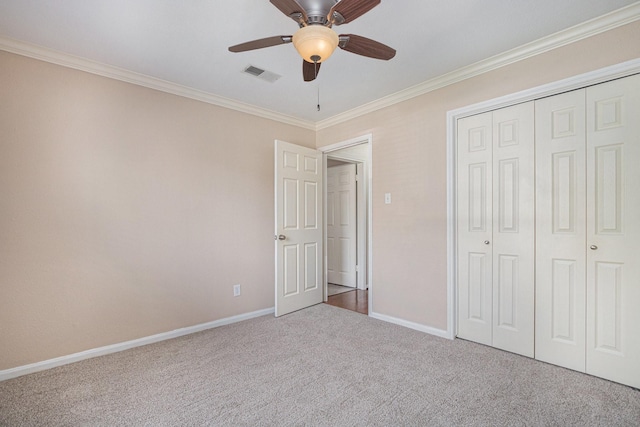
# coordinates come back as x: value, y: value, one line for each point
x: 347, y: 228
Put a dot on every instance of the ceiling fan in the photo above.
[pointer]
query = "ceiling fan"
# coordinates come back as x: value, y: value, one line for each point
x: 315, y: 41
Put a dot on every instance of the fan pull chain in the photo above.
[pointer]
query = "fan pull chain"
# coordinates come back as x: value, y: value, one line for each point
x: 315, y: 64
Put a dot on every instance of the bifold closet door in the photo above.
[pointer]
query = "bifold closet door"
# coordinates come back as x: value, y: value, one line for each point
x: 496, y: 229
x: 513, y: 229
x: 475, y: 227
x: 560, y: 230
x: 588, y: 230
x: 613, y: 230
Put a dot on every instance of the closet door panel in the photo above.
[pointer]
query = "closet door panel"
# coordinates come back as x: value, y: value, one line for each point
x: 474, y: 228
x: 560, y: 230
x: 513, y: 229
x: 613, y: 230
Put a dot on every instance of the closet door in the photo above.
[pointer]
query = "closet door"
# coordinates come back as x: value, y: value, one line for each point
x: 496, y: 229
x: 613, y: 230
x: 560, y: 230
x: 474, y: 228
x: 513, y: 229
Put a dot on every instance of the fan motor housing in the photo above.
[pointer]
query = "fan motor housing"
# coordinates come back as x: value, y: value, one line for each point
x: 317, y: 10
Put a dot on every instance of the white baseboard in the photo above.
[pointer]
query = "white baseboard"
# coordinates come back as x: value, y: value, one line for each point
x: 114, y: 348
x: 411, y: 325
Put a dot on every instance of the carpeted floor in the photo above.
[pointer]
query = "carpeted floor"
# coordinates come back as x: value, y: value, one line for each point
x: 307, y: 369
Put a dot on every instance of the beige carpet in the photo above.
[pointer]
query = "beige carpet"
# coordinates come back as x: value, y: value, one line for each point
x: 308, y: 369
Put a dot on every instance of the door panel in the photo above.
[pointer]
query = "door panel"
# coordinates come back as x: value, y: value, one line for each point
x: 560, y: 230
x: 608, y: 308
x: 342, y: 229
x: 290, y: 195
x: 474, y: 228
x: 508, y: 283
x: 513, y: 229
x: 298, y: 213
x: 311, y: 207
x: 476, y: 300
x: 291, y: 277
x: 613, y: 230
x: 311, y: 267
x: 478, y: 197
x: 508, y: 195
x: 609, y: 189
x: 561, y: 306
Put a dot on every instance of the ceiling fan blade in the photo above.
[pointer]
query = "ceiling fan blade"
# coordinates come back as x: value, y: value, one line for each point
x: 310, y: 70
x: 261, y: 43
x: 365, y: 47
x: 351, y: 9
x: 292, y: 9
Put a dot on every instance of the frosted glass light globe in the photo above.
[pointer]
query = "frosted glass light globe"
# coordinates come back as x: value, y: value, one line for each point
x: 315, y: 41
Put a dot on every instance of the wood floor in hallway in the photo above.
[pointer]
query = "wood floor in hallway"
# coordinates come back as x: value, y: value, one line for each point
x: 355, y: 300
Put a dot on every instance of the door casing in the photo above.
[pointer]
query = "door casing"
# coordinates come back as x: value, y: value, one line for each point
x: 327, y: 150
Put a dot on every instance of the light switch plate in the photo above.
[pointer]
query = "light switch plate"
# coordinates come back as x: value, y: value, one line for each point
x: 387, y: 198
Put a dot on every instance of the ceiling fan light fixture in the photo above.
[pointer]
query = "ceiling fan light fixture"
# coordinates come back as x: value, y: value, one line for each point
x: 315, y: 41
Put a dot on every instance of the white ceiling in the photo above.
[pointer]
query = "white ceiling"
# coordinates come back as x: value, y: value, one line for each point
x: 185, y: 42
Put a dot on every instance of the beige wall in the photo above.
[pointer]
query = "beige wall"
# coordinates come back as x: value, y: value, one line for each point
x: 409, y: 161
x: 125, y: 212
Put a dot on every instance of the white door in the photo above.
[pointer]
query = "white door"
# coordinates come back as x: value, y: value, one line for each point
x: 560, y: 228
x: 495, y: 198
x: 513, y: 229
x: 298, y: 229
x: 474, y: 228
x: 341, y: 224
x: 613, y: 230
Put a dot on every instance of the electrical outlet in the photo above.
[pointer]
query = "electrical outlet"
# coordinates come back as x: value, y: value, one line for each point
x: 236, y: 290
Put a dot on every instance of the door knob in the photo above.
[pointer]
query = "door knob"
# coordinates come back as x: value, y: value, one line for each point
x: 281, y: 237
x: 593, y: 247
x: 486, y: 242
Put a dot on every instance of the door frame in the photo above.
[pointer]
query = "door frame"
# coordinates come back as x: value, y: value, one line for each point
x: 361, y: 218
x: 326, y: 152
x: 602, y: 75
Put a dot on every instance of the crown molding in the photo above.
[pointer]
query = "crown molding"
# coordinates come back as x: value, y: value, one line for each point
x: 573, y: 34
x: 93, y: 67
x: 578, y: 32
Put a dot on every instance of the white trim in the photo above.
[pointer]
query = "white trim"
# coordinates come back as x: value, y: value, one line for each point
x: 573, y: 34
x: 583, y: 80
x: 452, y: 302
x: 93, y: 67
x: 114, y: 348
x: 364, y: 139
x: 411, y: 325
x: 346, y: 158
